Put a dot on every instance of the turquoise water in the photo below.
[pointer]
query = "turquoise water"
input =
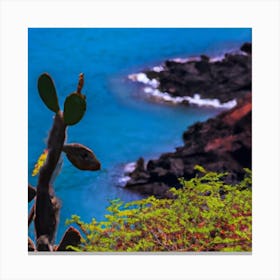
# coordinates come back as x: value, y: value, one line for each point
x: 119, y: 125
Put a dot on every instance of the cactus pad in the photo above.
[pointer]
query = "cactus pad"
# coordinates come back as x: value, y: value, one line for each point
x: 74, y: 108
x: 81, y: 157
x: 47, y: 92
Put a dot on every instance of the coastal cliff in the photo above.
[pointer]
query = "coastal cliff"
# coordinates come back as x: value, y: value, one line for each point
x: 221, y: 144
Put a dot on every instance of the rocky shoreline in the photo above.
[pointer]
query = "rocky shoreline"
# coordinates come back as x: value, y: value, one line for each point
x: 201, y: 81
x: 221, y: 144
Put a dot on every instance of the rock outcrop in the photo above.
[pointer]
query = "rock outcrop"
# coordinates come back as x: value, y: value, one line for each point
x: 224, y: 79
x: 219, y: 144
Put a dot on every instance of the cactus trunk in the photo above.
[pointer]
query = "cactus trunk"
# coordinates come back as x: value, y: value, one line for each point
x: 46, y: 207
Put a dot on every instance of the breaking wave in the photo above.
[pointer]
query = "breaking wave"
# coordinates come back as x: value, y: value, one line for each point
x: 152, y: 91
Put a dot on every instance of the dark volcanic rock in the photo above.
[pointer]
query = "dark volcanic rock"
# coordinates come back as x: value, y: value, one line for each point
x: 219, y: 144
x: 225, y: 80
x: 246, y: 47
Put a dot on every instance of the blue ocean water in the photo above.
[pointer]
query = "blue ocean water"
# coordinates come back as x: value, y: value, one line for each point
x: 119, y: 125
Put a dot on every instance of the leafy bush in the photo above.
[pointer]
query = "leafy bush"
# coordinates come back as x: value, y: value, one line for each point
x: 205, y: 215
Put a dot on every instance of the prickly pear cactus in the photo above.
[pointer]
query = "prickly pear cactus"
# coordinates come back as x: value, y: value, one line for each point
x: 81, y: 157
x: 74, y: 108
x: 47, y: 92
x: 45, y: 210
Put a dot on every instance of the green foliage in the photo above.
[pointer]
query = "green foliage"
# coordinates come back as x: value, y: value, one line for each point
x: 47, y: 92
x: 74, y: 108
x: 205, y: 215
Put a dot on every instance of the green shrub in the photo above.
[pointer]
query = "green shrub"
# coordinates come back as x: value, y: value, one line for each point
x: 205, y: 215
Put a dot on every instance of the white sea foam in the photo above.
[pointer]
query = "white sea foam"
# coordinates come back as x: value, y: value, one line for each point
x: 217, y: 58
x: 152, y: 85
x: 128, y: 168
x: 185, y: 60
x: 195, y: 100
x: 198, y: 58
x: 123, y: 180
x: 152, y: 91
x: 158, y: 68
x: 142, y: 78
